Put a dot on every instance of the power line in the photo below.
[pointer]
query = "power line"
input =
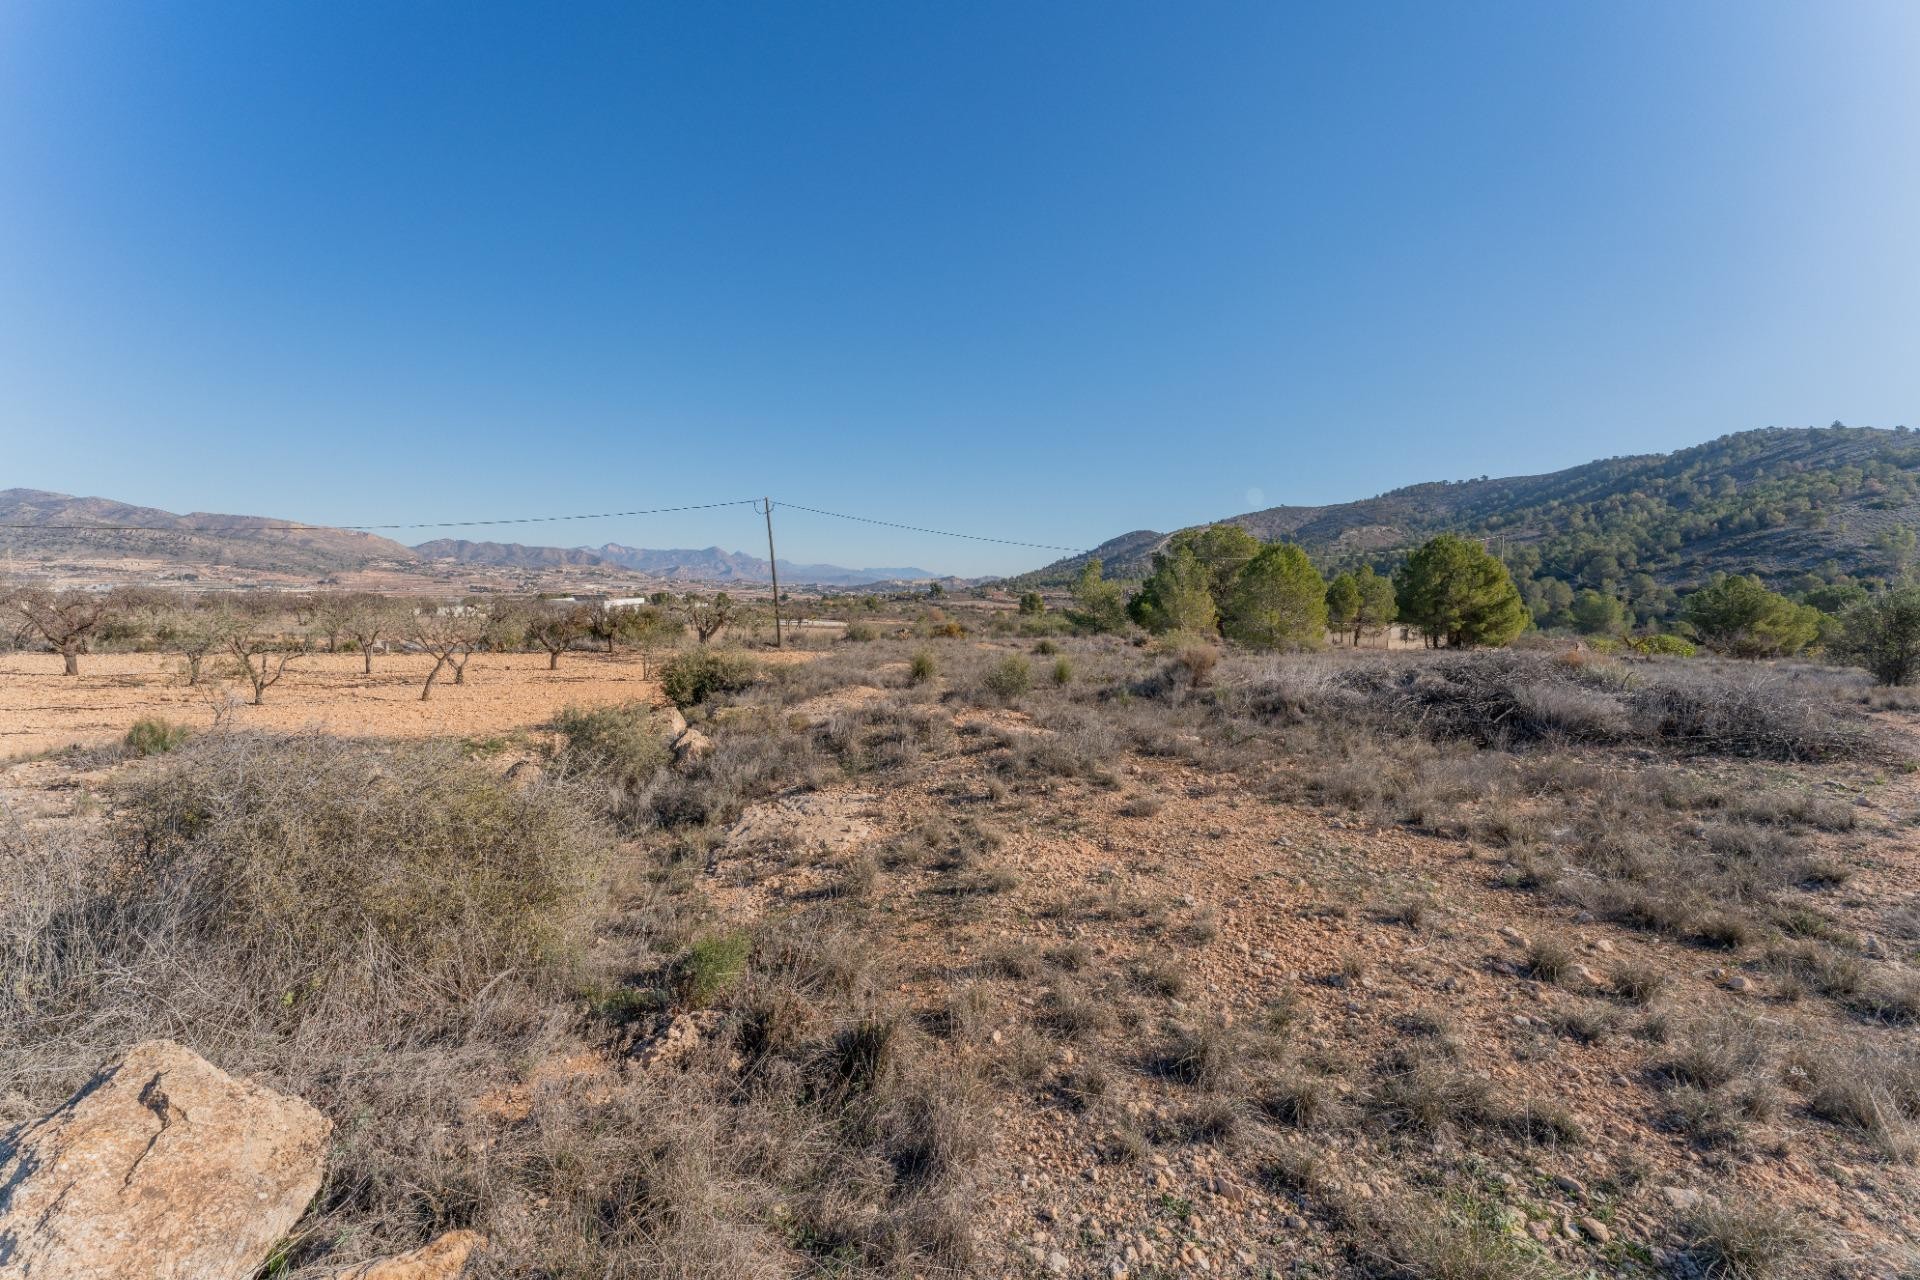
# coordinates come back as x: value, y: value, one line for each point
x: 219, y: 530
x: 943, y: 533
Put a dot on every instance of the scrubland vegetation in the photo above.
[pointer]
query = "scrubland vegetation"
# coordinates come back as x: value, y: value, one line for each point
x: 1163, y: 929
x: 943, y: 962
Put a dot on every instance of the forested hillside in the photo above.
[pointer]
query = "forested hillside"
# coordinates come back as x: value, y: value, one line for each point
x: 1801, y: 508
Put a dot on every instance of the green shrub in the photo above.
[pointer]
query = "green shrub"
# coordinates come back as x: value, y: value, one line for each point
x: 712, y: 967
x: 698, y: 674
x: 1010, y: 677
x: 1883, y: 635
x: 154, y: 736
x: 923, y: 668
x: 1737, y: 615
x: 859, y: 632
x: 1664, y: 645
x: 624, y: 743
x: 1062, y: 671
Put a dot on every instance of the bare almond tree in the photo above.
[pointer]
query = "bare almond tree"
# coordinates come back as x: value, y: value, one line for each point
x: 195, y: 631
x: 371, y: 619
x: 705, y: 616
x: 260, y: 657
x: 450, y: 633
x: 66, y: 620
x: 555, y: 629
x: 651, y: 628
x: 332, y: 614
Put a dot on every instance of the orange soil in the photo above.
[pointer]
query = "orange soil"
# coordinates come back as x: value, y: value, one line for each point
x: 40, y: 709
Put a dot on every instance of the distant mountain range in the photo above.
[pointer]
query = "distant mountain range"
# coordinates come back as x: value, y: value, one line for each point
x: 1779, y: 502
x: 58, y: 526
x: 1782, y: 503
x: 63, y: 526
x: 711, y: 564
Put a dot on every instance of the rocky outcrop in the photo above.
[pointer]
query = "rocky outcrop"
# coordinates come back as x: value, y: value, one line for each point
x: 161, y: 1167
x: 691, y: 747
x: 443, y: 1259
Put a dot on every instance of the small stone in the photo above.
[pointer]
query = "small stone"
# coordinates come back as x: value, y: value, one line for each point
x: 1739, y: 982
x: 444, y: 1259
x: 1680, y: 1198
x: 1057, y: 1263
x: 1572, y: 1186
x: 1595, y: 1230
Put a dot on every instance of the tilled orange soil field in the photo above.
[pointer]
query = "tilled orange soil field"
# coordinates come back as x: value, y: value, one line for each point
x: 41, y: 709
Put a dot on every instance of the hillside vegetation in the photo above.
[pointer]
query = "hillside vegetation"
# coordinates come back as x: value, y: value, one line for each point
x: 1835, y: 503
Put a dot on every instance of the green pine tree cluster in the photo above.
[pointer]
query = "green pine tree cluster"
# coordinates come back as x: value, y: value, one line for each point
x: 1222, y: 581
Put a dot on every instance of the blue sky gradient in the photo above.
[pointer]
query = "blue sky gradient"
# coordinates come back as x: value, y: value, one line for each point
x: 1050, y: 272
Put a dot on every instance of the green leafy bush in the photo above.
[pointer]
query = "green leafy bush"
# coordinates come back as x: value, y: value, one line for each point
x: 698, y: 674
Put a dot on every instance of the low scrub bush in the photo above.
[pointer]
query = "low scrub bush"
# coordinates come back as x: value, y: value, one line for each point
x: 922, y: 667
x: 697, y: 674
x: 1513, y: 699
x: 1008, y: 678
x: 311, y: 881
x: 1663, y: 645
x: 1424, y: 1238
x: 154, y: 736
x: 1751, y: 1240
x: 624, y: 744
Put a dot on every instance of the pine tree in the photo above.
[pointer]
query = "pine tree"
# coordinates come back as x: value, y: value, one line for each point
x: 1343, y: 606
x: 1458, y: 594
x: 1378, y: 608
x: 1098, y: 605
x: 1278, y: 601
x: 1178, y: 595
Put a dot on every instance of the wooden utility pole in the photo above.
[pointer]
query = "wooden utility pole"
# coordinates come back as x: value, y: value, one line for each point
x: 773, y: 567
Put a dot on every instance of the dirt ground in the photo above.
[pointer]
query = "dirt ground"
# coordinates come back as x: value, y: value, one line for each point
x: 41, y: 709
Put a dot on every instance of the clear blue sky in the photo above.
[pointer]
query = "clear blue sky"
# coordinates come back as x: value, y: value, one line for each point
x: 1053, y: 271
